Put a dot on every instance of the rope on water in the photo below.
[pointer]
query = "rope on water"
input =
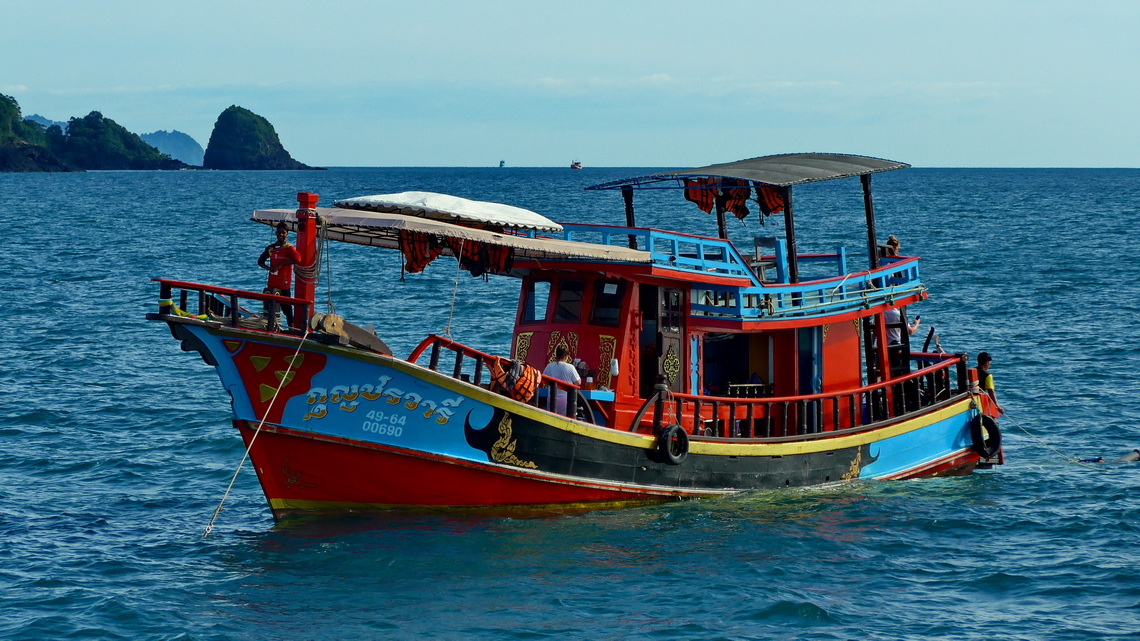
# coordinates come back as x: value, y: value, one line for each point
x: 286, y: 377
x: 1065, y: 457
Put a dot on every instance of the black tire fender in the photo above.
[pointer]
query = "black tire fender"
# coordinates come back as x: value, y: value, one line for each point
x: 673, y: 444
x: 985, y: 436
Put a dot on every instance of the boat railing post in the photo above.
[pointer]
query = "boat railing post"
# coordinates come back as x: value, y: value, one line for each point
x: 458, y: 369
x: 571, y: 403
x: 234, y: 310
x: 201, y: 302
x: 660, y: 390
x: 751, y: 419
x: 183, y: 299
x: 433, y: 360
x: 478, y: 376
x: 164, y: 294
x: 962, y: 371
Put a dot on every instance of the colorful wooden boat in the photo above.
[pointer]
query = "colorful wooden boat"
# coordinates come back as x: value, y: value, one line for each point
x: 709, y: 371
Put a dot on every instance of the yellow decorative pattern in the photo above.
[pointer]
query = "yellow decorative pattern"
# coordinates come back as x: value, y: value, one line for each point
x: 259, y: 362
x: 503, y: 450
x: 853, y: 472
x: 606, y: 347
x: 671, y: 365
x: 569, y: 339
x: 522, y: 345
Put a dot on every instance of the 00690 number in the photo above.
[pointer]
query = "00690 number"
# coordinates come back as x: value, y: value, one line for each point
x: 385, y: 424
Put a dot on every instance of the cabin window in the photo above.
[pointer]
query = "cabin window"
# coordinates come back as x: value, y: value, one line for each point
x: 671, y: 310
x: 569, y: 307
x: 536, y: 303
x: 606, y: 310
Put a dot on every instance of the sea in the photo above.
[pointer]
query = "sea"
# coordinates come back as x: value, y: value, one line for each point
x: 116, y: 447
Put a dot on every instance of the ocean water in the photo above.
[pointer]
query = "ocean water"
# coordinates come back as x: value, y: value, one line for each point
x: 115, y: 446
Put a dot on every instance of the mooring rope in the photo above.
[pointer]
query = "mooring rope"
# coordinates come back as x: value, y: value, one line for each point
x: 1065, y: 457
x: 454, y: 290
x: 286, y: 377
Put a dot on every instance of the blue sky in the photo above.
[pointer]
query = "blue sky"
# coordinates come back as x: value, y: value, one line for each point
x: 663, y: 83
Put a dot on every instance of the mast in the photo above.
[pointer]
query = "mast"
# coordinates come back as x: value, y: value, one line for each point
x: 790, y: 233
x: 306, y: 287
x: 869, y: 207
x: 627, y: 196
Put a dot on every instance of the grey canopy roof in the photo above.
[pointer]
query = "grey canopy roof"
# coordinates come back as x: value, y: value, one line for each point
x: 781, y: 170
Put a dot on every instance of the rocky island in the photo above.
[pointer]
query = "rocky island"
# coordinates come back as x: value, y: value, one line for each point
x: 241, y: 139
x: 244, y: 140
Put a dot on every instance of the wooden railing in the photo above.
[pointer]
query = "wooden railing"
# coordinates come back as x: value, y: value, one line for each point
x: 220, y: 304
x: 748, y: 418
x: 473, y: 366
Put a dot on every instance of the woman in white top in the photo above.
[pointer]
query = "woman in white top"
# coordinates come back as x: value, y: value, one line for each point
x: 561, y: 369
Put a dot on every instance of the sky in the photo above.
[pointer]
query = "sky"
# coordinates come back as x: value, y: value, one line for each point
x: 619, y: 83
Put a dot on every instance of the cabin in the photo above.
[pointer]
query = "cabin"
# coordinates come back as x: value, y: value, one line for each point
x: 708, y: 326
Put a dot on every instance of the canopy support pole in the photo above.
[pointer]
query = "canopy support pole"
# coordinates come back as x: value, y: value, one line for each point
x: 790, y: 232
x: 869, y: 207
x: 721, y: 225
x: 306, y: 286
x: 627, y: 196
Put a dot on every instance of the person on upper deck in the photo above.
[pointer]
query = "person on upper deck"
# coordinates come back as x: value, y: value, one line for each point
x: 894, y: 334
x: 561, y: 369
x: 986, y: 380
x: 278, y: 259
x: 891, y: 248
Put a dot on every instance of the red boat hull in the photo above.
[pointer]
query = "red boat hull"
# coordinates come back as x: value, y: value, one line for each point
x: 302, y: 473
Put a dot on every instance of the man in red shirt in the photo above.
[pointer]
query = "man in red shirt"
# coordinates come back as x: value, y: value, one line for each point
x: 279, y: 258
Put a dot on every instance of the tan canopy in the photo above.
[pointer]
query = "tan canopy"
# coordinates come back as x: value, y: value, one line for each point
x: 379, y: 229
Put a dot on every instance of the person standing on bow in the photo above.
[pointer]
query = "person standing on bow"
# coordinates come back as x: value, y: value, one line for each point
x: 278, y: 259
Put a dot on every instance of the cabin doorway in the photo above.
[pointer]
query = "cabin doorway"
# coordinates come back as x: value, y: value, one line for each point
x: 809, y: 347
x: 661, y: 348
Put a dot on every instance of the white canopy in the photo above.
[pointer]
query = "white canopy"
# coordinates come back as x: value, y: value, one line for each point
x: 462, y: 211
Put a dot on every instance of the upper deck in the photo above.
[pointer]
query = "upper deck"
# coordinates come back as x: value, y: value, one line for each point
x: 729, y: 287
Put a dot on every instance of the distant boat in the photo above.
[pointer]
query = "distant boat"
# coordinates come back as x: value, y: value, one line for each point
x: 577, y: 164
x: 502, y: 163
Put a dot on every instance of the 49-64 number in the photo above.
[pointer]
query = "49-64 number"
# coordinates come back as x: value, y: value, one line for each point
x: 385, y: 424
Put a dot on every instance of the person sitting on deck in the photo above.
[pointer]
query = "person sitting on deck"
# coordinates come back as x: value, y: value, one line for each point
x: 561, y: 369
x: 278, y: 259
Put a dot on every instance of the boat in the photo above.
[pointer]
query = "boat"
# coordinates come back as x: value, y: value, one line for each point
x: 577, y: 164
x: 707, y: 371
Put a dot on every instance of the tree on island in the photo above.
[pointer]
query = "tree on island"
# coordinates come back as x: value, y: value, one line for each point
x: 24, y: 143
x: 244, y: 140
x: 95, y: 142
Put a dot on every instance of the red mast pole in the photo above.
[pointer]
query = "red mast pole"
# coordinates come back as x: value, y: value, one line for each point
x: 306, y: 288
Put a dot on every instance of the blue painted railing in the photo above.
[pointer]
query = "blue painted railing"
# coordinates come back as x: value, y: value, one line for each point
x: 670, y: 249
x: 863, y: 290
x: 898, y: 277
